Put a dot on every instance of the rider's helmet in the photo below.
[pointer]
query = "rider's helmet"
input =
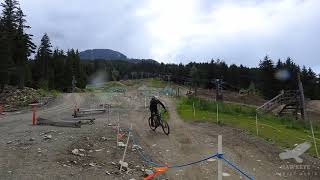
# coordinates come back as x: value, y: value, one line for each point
x: 153, y: 98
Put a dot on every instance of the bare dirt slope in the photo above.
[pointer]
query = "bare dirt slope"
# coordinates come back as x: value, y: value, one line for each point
x: 25, y: 154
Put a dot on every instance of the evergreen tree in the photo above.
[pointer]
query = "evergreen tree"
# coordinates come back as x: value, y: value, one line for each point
x: 42, y: 58
x: 195, y: 78
x: 58, y: 61
x: 8, y: 28
x: 23, y: 48
x: 267, y: 72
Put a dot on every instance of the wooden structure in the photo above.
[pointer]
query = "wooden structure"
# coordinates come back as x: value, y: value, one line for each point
x: 290, y: 102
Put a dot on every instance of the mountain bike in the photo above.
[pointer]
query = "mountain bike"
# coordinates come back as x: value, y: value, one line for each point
x: 156, y: 120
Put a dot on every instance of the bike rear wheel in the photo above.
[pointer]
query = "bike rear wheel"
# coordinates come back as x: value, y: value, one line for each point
x: 165, y: 127
x: 151, y: 123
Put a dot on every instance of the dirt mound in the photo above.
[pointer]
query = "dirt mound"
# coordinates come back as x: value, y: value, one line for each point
x: 12, y: 98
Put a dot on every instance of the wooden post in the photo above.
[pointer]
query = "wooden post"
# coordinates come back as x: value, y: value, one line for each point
x: 194, y: 110
x: 257, y: 127
x: 108, y: 114
x: 302, y: 100
x: 145, y: 102
x: 118, y: 131
x: 217, y: 112
x: 125, y: 149
x: 304, y: 113
x: 220, y: 168
x: 33, y: 115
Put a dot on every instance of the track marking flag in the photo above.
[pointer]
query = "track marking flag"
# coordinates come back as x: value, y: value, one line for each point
x: 158, y: 170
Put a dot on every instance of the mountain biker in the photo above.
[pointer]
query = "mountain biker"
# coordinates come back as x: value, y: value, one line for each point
x: 154, y: 108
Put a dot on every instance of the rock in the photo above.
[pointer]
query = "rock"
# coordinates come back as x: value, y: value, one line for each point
x: 125, y: 165
x: 82, y: 150
x: 225, y: 174
x: 136, y: 147
x: 154, y: 145
x: 92, y: 164
x: 107, y: 173
x: 148, y: 171
x: 31, y: 139
x: 77, y: 152
x: 9, y: 142
x: 211, y: 160
x: 132, y: 179
x: 98, y: 150
x: 47, y: 137
x: 121, y: 144
x: 103, y: 138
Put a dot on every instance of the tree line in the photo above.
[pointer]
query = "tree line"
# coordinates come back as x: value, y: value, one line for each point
x: 268, y: 79
x: 57, y: 69
x: 47, y: 69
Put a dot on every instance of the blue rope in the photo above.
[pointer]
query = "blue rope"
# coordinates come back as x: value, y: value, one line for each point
x: 236, y: 168
x: 195, y: 162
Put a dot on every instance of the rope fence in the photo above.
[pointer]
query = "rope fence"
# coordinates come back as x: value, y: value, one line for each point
x: 160, y: 168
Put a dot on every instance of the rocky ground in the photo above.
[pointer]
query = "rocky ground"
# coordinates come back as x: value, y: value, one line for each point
x: 91, y: 152
x: 13, y: 99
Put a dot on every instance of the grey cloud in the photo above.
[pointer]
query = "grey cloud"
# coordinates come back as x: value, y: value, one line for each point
x: 84, y: 24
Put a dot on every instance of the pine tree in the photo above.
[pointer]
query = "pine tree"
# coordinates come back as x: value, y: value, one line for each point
x: 195, y: 78
x: 8, y: 28
x: 58, y: 61
x: 267, y: 80
x: 23, y: 48
x: 43, y: 58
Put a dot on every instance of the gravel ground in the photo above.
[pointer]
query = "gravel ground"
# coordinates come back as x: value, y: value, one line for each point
x: 26, y: 154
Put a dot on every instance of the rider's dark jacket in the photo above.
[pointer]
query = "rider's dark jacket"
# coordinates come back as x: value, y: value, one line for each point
x: 154, y: 106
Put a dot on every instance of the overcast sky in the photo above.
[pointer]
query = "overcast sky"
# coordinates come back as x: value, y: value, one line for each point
x: 237, y: 31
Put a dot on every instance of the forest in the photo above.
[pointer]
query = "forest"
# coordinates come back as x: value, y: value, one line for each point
x: 23, y: 63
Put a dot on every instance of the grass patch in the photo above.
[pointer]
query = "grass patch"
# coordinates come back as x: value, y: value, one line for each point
x: 46, y: 93
x: 284, y: 132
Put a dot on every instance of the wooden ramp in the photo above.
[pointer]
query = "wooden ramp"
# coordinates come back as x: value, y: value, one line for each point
x: 289, y: 101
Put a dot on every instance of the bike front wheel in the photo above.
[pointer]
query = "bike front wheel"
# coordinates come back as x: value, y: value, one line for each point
x: 165, y: 127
